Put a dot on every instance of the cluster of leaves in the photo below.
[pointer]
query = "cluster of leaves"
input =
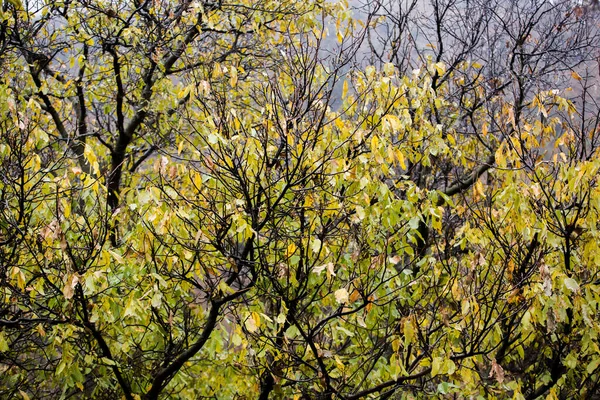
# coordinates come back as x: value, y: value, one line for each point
x: 188, y: 211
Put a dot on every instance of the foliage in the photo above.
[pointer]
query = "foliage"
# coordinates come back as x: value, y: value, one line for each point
x: 215, y: 200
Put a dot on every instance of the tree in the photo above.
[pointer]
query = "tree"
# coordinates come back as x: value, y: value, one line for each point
x: 186, y: 214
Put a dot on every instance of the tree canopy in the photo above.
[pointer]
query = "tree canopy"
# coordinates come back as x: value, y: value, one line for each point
x: 299, y: 199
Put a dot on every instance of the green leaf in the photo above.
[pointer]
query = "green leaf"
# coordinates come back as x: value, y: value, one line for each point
x: 593, y: 366
x: 3, y: 343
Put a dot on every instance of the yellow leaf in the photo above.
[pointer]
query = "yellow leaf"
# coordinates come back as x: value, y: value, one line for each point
x: 20, y: 276
x: 116, y: 256
x: 478, y: 188
x: 389, y: 69
x: 575, y: 76
x: 197, y: 180
x: 183, y: 92
x: 16, y: 4
x: 360, y: 212
x: 572, y: 285
x: 281, y: 318
x: 455, y: 290
x: 465, y: 307
x: 233, y: 76
x: 256, y: 318
x: 91, y: 158
x: 341, y: 296
x: 374, y: 142
x: 449, y: 366
x: 291, y: 249
x: 344, y: 89
x: 392, y: 122
x: 217, y: 71
x: 251, y: 325
x: 436, y: 363
x: 451, y: 139
x: 499, y: 156
x: 400, y: 158
x: 409, y: 333
x: 440, y: 67
x: 315, y: 245
x: 339, y: 363
x: 67, y: 209
x: 484, y: 130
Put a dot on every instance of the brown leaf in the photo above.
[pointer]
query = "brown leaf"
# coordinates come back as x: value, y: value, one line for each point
x: 496, y: 371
